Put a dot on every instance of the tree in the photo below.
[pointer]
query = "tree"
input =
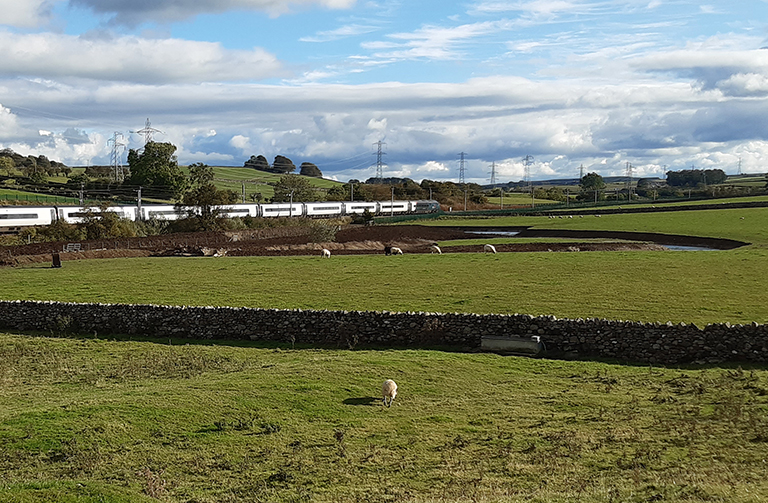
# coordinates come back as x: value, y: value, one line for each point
x: 309, y: 169
x: 591, y: 184
x: 39, y: 178
x: 101, y: 223
x: 75, y: 181
x: 6, y: 164
x: 283, y: 165
x: 157, y: 167
x: 694, y: 177
x: 302, y: 190
x: 200, y: 201
x: 257, y: 162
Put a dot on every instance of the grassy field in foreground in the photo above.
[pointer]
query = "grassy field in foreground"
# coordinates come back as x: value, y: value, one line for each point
x: 700, y: 287
x: 125, y: 421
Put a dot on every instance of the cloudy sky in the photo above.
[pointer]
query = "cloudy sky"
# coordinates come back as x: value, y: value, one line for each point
x: 593, y: 83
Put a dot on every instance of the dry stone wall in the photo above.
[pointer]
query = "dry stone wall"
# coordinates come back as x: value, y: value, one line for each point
x: 629, y: 341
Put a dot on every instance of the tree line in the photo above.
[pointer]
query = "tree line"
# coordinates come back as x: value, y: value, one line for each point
x: 282, y: 165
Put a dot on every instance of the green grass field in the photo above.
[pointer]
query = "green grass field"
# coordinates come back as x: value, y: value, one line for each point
x: 84, y: 420
x: 257, y: 181
x: 127, y: 421
x: 749, y: 225
x: 515, y: 199
x: 691, y: 287
x: 11, y: 196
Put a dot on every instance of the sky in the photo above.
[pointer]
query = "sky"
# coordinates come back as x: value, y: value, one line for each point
x: 592, y: 85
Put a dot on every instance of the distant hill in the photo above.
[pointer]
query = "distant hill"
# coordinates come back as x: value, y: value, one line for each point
x: 564, y: 182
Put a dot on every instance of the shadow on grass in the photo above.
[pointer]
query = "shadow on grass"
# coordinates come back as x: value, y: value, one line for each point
x: 366, y: 400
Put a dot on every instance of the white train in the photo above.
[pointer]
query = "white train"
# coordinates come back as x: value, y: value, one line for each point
x: 17, y: 217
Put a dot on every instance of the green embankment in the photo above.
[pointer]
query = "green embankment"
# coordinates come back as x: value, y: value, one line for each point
x: 257, y: 182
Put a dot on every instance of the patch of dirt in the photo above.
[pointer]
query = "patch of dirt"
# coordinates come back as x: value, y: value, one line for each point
x: 350, y: 240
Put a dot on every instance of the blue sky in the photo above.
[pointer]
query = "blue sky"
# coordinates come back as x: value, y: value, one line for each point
x: 598, y: 83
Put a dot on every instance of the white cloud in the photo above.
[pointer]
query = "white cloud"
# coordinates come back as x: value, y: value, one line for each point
x: 240, y: 142
x: 24, y: 13
x: 745, y: 84
x: 9, y: 125
x: 433, y: 167
x: 138, y: 12
x: 433, y: 42
x: 561, y: 123
x: 131, y: 59
x: 351, y: 30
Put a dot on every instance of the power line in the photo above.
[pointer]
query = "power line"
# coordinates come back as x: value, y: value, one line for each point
x: 493, y: 174
x: 147, y: 132
x: 118, y: 146
x: 379, y: 162
x: 527, y: 161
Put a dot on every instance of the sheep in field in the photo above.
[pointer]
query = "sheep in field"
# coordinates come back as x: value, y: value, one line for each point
x: 396, y: 251
x: 436, y: 249
x: 326, y: 253
x: 489, y: 249
x: 389, y: 391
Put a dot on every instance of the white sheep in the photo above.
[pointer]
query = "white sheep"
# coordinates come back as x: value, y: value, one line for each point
x: 389, y: 390
x: 326, y: 253
x: 396, y: 251
x: 489, y: 249
x: 436, y: 249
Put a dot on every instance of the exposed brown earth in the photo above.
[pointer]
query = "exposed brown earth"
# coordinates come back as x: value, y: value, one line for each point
x: 350, y: 240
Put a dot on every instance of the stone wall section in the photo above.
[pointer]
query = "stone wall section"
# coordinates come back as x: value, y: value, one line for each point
x: 623, y: 340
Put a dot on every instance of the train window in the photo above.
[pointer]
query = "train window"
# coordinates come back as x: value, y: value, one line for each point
x: 19, y: 216
x: 325, y: 208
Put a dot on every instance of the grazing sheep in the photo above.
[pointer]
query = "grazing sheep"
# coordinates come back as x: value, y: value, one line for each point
x: 396, y: 251
x: 389, y: 390
x: 326, y: 253
x: 387, y: 250
x: 436, y: 249
x: 489, y: 249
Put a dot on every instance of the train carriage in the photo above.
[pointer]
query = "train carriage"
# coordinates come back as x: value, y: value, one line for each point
x: 324, y: 209
x: 13, y: 217
x: 394, y: 207
x: 359, y: 207
x: 76, y: 214
x: 282, y: 210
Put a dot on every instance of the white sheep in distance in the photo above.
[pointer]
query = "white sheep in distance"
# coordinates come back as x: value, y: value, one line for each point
x: 389, y: 391
x: 436, y: 249
x: 396, y: 251
x: 326, y: 253
x: 489, y: 249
